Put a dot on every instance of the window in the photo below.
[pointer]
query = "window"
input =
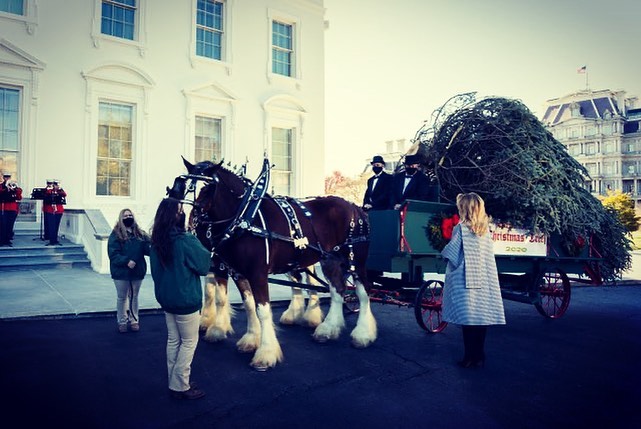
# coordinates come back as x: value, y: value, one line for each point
x: 113, y: 169
x: 118, y: 18
x: 209, y: 29
x: 9, y: 136
x: 281, y: 176
x: 208, y: 138
x: 590, y: 149
x: 282, y: 48
x: 12, y: 6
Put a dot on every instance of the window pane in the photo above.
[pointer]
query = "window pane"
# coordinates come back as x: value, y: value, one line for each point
x: 209, y: 29
x: 113, y: 170
x: 118, y: 18
x: 282, y: 48
x: 282, y: 159
x: 208, y: 139
x: 9, y: 130
x: 12, y: 6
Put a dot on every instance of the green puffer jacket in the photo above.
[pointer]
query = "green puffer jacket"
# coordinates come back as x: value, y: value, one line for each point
x: 178, y: 287
x: 121, y: 252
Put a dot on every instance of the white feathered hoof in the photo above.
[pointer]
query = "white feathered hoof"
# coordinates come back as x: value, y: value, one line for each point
x: 214, y: 334
x: 290, y: 317
x: 266, y: 357
x: 325, y: 332
x: 248, y: 343
x: 363, y: 337
x: 314, y: 317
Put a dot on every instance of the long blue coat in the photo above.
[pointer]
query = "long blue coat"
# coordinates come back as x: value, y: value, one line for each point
x: 472, y: 295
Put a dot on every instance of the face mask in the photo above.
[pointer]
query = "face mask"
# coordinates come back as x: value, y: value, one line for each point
x: 377, y: 170
x: 410, y: 170
x: 128, y: 221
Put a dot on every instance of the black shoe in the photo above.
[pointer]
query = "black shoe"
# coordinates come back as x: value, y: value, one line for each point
x: 469, y: 363
x: 192, y: 393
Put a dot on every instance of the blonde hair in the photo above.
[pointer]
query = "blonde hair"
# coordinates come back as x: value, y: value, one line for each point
x: 471, y: 209
x: 121, y: 230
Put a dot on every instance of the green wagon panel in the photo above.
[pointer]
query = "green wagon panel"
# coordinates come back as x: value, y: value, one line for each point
x: 387, y: 253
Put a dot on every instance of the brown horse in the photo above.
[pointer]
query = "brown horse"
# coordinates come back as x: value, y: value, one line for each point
x: 326, y: 230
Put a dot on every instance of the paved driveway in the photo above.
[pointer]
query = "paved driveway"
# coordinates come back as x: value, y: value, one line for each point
x: 580, y: 371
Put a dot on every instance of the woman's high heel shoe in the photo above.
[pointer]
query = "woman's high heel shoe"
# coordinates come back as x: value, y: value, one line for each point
x: 469, y: 363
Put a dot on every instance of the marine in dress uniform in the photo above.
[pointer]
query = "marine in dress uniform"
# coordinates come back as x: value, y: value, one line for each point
x: 412, y: 184
x: 379, y: 187
x: 10, y: 194
x: 53, y: 208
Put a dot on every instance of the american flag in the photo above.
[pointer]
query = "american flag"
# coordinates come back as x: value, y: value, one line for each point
x: 582, y: 69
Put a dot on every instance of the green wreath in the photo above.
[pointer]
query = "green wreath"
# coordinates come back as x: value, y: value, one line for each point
x: 439, y: 228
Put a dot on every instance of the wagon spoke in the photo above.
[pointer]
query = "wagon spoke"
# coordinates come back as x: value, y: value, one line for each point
x: 428, y: 306
x: 554, y: 294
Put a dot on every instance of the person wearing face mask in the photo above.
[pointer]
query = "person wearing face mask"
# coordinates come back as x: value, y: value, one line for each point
x: 379, y: 187
x: 127, y: 246
x: 412, y: 184
x: 178, y: 261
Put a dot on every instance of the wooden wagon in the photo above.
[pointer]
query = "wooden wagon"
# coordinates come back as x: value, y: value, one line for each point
x: 407, y: 270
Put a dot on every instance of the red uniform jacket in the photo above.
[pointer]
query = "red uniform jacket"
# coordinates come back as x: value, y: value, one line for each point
x: 10, y: 206
x: 54, y: 208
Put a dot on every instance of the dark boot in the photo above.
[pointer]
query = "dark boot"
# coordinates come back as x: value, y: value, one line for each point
x: 468, y: 339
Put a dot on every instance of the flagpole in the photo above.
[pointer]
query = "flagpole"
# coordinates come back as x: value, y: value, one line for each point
x: 587, y: 85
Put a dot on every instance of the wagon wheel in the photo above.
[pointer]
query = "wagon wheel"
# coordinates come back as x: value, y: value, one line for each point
x: 427, y: 306
x: 554, y: 294
x: 350, y: 300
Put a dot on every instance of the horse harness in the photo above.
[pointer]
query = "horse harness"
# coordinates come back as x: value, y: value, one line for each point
x: 249, y: 207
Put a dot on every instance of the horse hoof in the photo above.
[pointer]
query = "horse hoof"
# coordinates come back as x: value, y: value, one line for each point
x: 260, y: 368
x: 321, y: 340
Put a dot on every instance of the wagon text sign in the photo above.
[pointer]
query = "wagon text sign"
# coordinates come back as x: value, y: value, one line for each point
x: 512, y: 241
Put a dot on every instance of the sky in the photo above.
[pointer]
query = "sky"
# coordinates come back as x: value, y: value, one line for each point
x: 390, y: 64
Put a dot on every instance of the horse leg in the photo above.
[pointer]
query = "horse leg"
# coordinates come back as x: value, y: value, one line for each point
x: 269, y: 352
x: 334, y: 322
x: 209, y: 309
x: 365, y: 331
x: 313, y: 315
x: 221, y: 327
x: 294, y: 313
x: 251, y: 340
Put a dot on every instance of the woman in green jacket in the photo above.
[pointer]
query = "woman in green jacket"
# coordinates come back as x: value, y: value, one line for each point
x: 178, y: 260
x: 127, y: 247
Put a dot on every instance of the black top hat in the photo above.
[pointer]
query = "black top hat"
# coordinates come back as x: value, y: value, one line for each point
x: 49, y: 182
x: 412, y: 159
x: 378, y: 158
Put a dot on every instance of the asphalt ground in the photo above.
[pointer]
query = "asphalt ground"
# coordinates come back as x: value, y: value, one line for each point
x: 583, y: 370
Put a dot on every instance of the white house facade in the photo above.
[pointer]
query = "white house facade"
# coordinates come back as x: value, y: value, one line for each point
x: 107, y: 95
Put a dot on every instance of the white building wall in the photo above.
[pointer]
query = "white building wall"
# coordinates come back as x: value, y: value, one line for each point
x: 64, y: 66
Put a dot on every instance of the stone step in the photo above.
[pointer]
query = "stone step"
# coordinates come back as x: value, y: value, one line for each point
x: 30, y: 252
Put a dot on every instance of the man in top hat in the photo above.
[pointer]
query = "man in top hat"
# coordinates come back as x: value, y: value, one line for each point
x: 379, y: 187
x: 10, y: 194
x: 412, y: 184
x: 53, y: 207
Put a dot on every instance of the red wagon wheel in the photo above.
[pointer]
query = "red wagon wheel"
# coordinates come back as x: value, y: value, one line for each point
x: 427, y: 306
x: 554, y: 293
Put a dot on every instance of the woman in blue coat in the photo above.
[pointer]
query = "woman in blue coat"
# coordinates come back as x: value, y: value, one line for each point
x: 472, y: 295
x: 127, y: 247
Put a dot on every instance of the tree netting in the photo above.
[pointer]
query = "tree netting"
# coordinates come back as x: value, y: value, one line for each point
x: 497, y: 148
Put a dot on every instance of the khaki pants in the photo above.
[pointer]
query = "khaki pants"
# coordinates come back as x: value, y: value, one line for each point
x: 182, y: 339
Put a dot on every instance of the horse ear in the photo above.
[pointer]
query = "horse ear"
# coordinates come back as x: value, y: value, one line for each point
x: 188, y: 164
